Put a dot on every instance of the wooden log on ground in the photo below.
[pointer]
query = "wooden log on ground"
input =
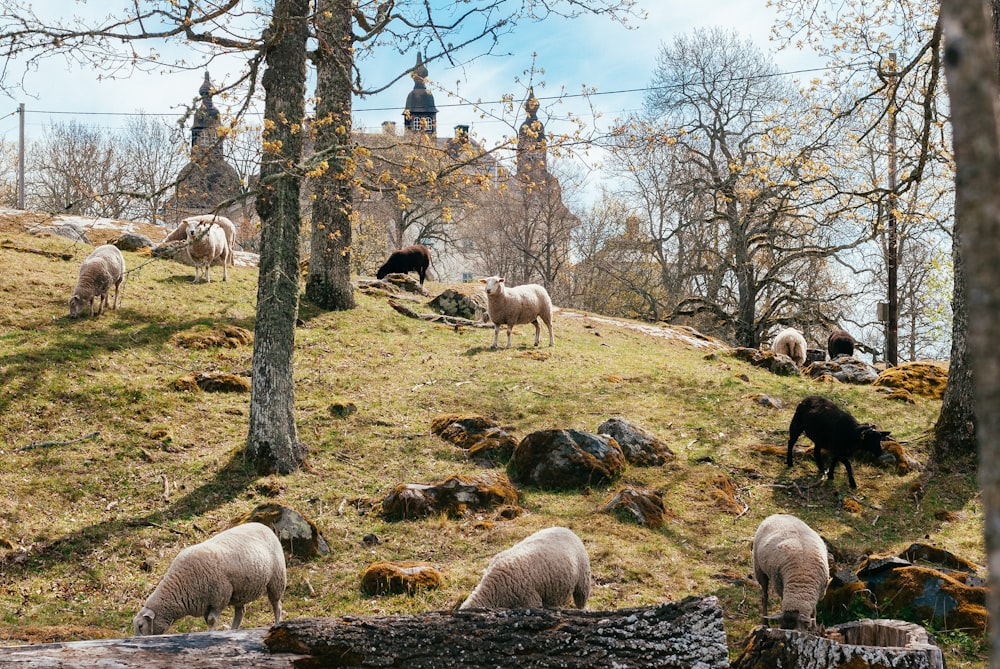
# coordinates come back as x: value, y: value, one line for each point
x: 198, y: 650
x: 454, y: 321
x: 862, y: 644
x: 676, y: 635
x: 682, y: 634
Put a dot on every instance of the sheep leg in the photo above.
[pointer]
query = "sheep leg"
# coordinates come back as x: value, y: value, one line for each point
x: 850, y: 473
x: 764, y: 583
x: 548, y: 324
x: 496, y: 334
x: 225, y: 270
x: 538, y: 331
x: 276, y: 609
x: 115, y: 306
x: 237, y: 616
x: 818, y: 457
x: 212, y: 618
x: 510, y: 329
x: 793, y: 435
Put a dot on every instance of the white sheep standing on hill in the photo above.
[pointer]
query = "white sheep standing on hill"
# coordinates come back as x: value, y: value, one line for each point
x: 208, y: 242
x: 234, y: 567
x: 516, y: 306
x: 544, y: 570
x: 790, y: 342
x: 102, y: 269
x: 789, y: 555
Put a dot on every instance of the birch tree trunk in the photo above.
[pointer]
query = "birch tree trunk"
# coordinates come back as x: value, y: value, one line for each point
x: 971, y: 70
x: 272, y: 441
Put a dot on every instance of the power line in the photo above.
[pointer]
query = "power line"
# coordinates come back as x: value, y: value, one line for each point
x: 623, y: 91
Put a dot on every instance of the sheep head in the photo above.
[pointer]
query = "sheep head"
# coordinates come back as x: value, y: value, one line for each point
x: 871, y: 440
x: 145, y: 623
x: 76, y: 305
x: 494, y: 284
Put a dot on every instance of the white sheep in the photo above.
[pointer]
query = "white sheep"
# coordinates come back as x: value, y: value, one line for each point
x: 516, y: 306
x: 234, y: 567
x: 207, y: 242
x: 102, y: 269
x: 226, y: 224
x: 790, y: 342
x: 790, y: 555
x: 544, y: 570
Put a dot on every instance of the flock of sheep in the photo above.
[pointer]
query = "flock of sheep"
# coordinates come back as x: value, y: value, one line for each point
x: 209, y: 238
x: 548, y: 568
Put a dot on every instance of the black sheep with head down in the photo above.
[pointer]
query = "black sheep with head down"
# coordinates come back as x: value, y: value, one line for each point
x: 832, y: 429
x: 840, y: 342
x: 416, y: 258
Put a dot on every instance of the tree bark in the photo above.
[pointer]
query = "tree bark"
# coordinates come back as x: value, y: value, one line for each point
x: 329, y: 282
x: 682, y: 634
x: 971, y: 68
x: 866, y: 644
x: 955, y: 430
x: 272, y: 441
x: 199, y: 650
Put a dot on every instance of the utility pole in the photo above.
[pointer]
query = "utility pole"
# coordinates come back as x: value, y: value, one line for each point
x: 892, y: 252
x: 20, y: 158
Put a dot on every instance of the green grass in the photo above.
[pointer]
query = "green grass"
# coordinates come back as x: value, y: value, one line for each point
x: 84, y: 517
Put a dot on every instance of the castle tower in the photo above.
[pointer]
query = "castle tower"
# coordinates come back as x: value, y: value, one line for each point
x: 420, y: 114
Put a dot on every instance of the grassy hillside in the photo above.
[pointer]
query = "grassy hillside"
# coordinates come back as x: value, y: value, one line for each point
x: 88, y: 527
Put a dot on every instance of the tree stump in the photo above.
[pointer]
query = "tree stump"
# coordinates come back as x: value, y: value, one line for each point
x: 683, y: 635
x: 862, y: 644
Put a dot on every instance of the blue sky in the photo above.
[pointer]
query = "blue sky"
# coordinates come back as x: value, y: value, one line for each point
x: 587, y: 52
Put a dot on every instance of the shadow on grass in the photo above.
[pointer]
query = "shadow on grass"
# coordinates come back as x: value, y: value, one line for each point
x: 230, y: 481
x: 24, y: 370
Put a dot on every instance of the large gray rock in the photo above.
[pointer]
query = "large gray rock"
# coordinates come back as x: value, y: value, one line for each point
x: 560, y: 459
x: 639, y: 446
x: 845, y: 369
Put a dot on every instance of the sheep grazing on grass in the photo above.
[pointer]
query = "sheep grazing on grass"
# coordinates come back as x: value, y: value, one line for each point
x: 102, y: 269
x: 208, y: 242
x: 789, y: 555
x: 416, y: 258
x: 790, y: 342
x: 832, y: 429
x: 234, y: 567
x: 517, y: 306
x: 545, y: 570
x: 840, y: 342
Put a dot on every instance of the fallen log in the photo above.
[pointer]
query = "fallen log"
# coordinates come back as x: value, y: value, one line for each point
x: 684, y: 634
x: 199, y: 650
x: 454, y: 321
x: 681, y: 634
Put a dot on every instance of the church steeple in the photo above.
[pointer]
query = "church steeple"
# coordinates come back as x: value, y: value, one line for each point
x: 204, y: 128
x: 420, y: 114
x: 531, y: 143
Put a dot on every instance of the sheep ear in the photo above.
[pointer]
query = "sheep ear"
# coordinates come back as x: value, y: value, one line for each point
x: 482, y: 281
x: 500, y: 280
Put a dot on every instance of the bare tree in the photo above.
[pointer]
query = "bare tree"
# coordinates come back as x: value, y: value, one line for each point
x: 753, y: 205
x: 152, y: 154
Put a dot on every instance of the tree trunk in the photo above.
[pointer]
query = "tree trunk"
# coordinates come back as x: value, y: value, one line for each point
x: 971, y: 67
x: 199, y: 650
x: 272, y: 442
x: 955, y: 430
x: 682, y: 634
x: 865, y: 644
x: 329, y: 282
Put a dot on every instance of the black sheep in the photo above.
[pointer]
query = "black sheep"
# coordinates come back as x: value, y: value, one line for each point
x: 835, y: 430
x: 416, y: 258
x: 840, y: 342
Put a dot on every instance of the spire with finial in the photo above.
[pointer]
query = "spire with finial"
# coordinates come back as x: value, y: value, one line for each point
x: 531, y: 153
x: 420, y: 113
x: 206, y: 118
